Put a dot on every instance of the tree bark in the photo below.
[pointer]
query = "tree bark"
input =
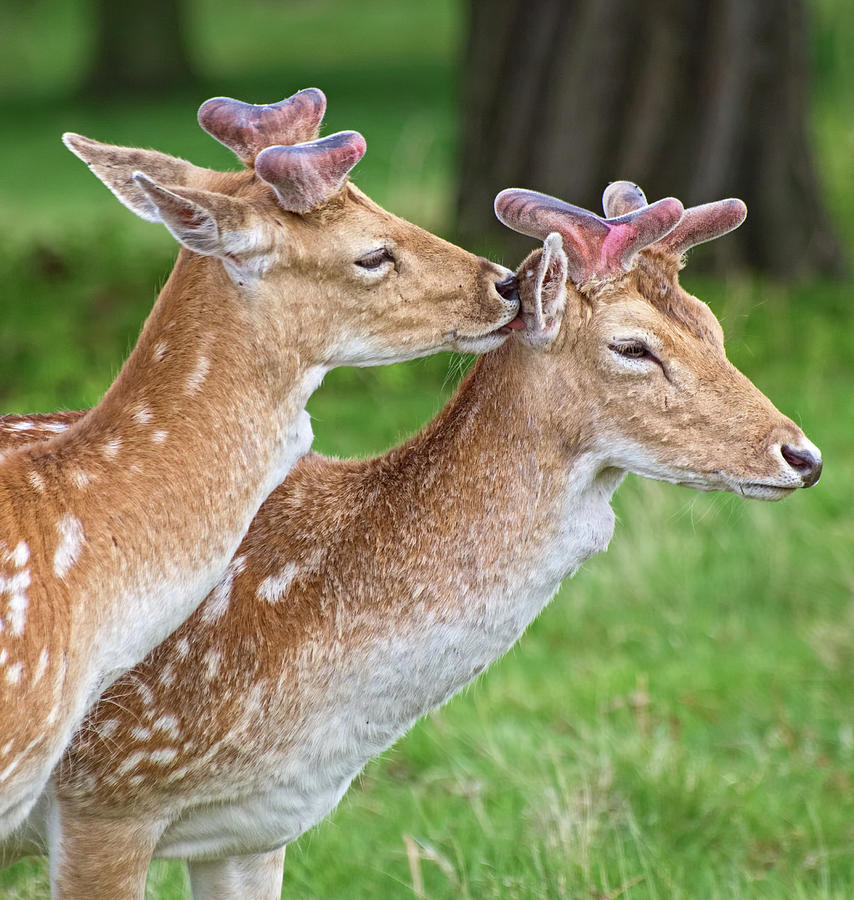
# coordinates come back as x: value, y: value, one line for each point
x: 686, y: 98
x: 140, y: 48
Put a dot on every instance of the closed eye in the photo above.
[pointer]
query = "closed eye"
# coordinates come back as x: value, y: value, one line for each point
x: 638, y: 350
x: 632, y: 350
x: 375, y: 259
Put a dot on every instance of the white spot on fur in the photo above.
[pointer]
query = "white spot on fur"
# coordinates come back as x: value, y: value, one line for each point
x: 81, y: 478
x: 159, y: 351
x: 145, y: 692
x: 111, y: 448
x: 142, y: 415
x: 182, y: 648
x: 168, y: 725
x: 136, y: 780
x: 212, y: 659
x: 164, y: 756
x: 197, y: 376
x: 167, y: 675
x: 18, y: 601
x: 141, y: 733
x: 41, y: 665
x: 178, y: 774
x: 13, y: 673
x: 70, y: 542
x: 132, y: 761
x: 159, y: 436
x: 217, y: 602
x: 6, y: 748
x: 4, y: 655
x: 22, y: 426
x: 272, y: 589
x: 20, y: 555
x: 108, y: 729
x: 55, y: 427
x: 36, y: 481
x: 16, y: 587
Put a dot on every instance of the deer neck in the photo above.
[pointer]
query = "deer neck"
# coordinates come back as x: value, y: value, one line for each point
x: 159, y: 482
x: 521, y: 488
x: 207, y: 364
x: 454, y: 543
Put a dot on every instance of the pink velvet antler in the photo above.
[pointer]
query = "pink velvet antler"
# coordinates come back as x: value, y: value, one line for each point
x: 704, y: 223
x: 595, y: 247
x: 622, y: 197
x: 247, y: 128
x: 698, y: 225
x: 306, y: 175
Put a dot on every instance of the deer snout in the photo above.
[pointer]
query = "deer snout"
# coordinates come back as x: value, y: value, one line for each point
x: 508, y: 288
x: 806, y: 461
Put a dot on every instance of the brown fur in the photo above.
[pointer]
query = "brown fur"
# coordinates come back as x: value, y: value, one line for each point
x: 427, y: 532
x: 120, y: 525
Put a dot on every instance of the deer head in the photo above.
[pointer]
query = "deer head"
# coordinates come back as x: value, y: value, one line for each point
x: 642, y: 361
x: 302, y: 244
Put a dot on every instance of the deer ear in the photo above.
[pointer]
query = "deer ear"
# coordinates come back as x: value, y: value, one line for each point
x: 205, y: 222
x: 115, y: 166
x: 542, y: 292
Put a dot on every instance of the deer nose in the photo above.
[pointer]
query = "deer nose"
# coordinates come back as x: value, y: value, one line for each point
x: 806, y: 463
x: 508, y: 288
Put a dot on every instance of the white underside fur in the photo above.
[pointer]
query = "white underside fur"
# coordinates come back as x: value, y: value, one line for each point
x: 379, y: 695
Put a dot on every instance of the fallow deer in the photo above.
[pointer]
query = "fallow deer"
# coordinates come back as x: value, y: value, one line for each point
x: 367, y: 592
x: 114, y: 529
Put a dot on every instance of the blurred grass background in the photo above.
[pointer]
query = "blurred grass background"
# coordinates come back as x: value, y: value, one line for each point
x: 679, y: 722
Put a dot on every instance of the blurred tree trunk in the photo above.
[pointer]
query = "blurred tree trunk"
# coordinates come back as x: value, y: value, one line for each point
x: 140, y: 48
x: 687, y: 98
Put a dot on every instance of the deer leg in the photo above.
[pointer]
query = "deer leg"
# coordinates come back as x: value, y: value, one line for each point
x: 100, y: 858
x: 256, y: 875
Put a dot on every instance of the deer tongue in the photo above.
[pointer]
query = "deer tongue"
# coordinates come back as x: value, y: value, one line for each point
x: 517, y: 324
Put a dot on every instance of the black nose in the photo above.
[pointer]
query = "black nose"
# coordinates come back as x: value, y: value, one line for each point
x: 509, y: 288
x: 803, y: 462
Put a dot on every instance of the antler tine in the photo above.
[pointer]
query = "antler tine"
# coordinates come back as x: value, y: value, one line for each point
x: 247, y: 128
x: 306, y: 175
x: 704, y: 223
x: 621, y: 197
x: 537, y: 215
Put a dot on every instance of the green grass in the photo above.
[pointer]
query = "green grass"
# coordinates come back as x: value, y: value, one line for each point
x: 678, y: 723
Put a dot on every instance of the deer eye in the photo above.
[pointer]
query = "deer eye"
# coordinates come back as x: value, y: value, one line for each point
x: 631, y: 350
x: 375, y: 259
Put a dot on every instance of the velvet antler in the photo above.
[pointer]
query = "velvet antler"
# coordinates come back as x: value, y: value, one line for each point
x: 698, y: 225
x: 704, y: 223
x: 595, y: 247
x: 306, y: 175
x: 247, y: 128
x: 622, y: 197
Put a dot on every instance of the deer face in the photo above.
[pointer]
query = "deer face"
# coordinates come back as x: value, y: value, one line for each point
x: 298, y: 243
x: 388, y: 289
x: 641, y: 365
x: 670, y: 405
